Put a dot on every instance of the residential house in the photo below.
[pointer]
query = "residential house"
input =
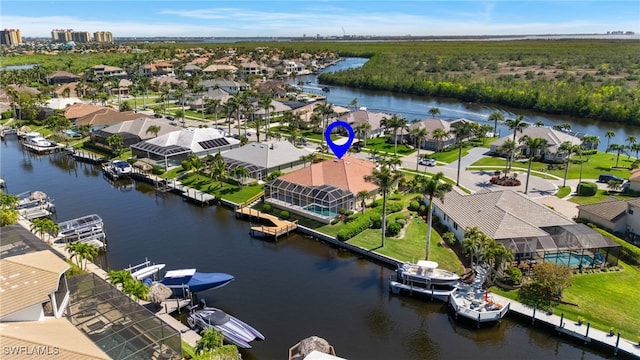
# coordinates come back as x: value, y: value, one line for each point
x: 107, y: 116
x: 277, y: 88
x: 253, y: 68
x: 133, y: 131
x: 374, y: 118
x: 431, y: 143
x: 531, y: 230
x: 261, y: 159
x: 229, y: 86
x: 218, y: 94
x: 634, y: 180
x: 320, y: 190
x: 105, y: 71
x: 61, y: 103
x: 76, y: 111
x: 220, y: 67
x: 190, y: 69
x: 172, y: 148
x: 622, y: 217
x: 158, y: 68
x: 277, y: 110
x: 62, y: 77
x: 554, y: 139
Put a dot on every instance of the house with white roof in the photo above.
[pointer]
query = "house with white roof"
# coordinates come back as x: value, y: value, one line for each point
x: 554, y: 139
x: 172, y: 148
x: 260, y: 159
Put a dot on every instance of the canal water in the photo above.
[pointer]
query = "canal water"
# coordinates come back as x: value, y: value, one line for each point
x: 417, y: 107
x: 289, y: 290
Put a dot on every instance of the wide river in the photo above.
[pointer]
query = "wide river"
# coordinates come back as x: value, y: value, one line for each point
x: 289, y: 290
x: 417, y: 107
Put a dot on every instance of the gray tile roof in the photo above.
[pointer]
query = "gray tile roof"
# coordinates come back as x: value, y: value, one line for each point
x: 267, y: 155
x: 554, y: 137
x: 611, y: 209
x: 500, y: 214
x: 190, y: 138
x: 140, y: 126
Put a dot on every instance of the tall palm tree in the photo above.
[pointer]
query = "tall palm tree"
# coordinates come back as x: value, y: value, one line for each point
x: 82, y: 251
x: 538, y: 124
x: 631, y: 140
x: 241, y: 174
x: 196, y: 164
x: 394, y: 123
x: 362, y: 195
x: 266, y: 103
x: 432, y: 188
x: 325, y: 110
x: 609, y: 135
x: 618, y: 148
x: 434, y: 111
x: 567, y: 148
x: 153, y: 129
x: 213, y: 105
x: 230, y: 108
x: 439, y: 135
x: 509, y: 148
x: 461, y: 130
x: 533, y: 145
x: 362, y: 131
x: 418, y: 134
x: 386, y: 179
x: 517, y: 125
x: 218, y: 169
x: 496, y: 117
x: 180, y: 93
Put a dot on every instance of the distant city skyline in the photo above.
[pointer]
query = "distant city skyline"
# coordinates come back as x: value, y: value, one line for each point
x: 285, y: 18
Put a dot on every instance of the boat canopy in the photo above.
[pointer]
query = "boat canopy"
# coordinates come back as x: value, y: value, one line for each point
x: 217, y: 317
x: 180, y: 273
x: 427, y: 264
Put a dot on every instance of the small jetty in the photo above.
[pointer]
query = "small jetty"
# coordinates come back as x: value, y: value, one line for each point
x: 88, y: 229
x: 175, y: 186
x: 35, y: 205
x: 271, y: 226
x: 87, y: 157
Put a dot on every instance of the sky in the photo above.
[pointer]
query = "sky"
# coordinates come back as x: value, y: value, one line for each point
x: 284, y: 18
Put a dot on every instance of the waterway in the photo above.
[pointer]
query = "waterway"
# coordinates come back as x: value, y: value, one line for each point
x: 289, y: 290
x: 417, y: 107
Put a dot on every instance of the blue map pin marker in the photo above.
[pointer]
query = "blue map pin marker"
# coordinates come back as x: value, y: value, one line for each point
x: 337, y: 149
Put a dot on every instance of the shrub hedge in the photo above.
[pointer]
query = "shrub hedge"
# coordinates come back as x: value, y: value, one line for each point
x: 354, y: 228
x: 587, y: 189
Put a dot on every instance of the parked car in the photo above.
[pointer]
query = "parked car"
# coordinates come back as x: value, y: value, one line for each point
x: 171, y: 118
x: 605, y: 178
x: 427, y: 162
x: 157, y: 116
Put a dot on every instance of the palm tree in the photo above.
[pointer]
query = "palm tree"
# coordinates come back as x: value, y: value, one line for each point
x: 213, y: 105
x: 418, y: 134
x: 618, y: 148
x: 631, y: 140
x: 386, y: 179
x: 472, y: 244
x: 517, y: 125
x: 82, y: 251
x: 433, y: 112
x: 496, y: 117
x: 218, y: 169
x: 325, y: 110
x: 533, y: 145
x: 115, y: 141
x: 196, y: 164
x: 180, y: 92
x: 354, y: 103
x: 567, y: 148
x: 362, y: 131
x: 508, y: 147
x: 230, y: 108
x: 609, y: 135
x: 362, y: 195
x: 265, y: 102
x: 432, y: 188
x: 439, y: 135
x: 461, y: 130
x: 153, y: 129
x: 395, y: 123
x: 538, y: 124
x: 241, y: 174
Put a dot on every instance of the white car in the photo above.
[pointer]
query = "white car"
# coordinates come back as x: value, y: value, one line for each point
x: 427, y: 162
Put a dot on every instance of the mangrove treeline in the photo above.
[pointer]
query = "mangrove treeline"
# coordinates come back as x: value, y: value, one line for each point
x: 590, y: 79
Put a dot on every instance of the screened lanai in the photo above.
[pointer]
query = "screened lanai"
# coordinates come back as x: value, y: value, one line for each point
x: 165, y: 156
x: 121, y: 327
x: 319, y: 202
x: 254, y: 171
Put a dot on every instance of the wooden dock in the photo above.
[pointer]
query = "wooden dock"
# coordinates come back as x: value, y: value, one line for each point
x: 272, y: 225
x: 43, y: 150
x: 580, y: 332
x: 175, y: 186
x: 88, y: 157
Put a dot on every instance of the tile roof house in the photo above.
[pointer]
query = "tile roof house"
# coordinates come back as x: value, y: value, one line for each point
x: 260, y: 159
x: 79, y: 110
x: 634, y: 180
x: 374, y: 118
x: 277, y: 110
x: 529, y: 229
x: 431, y: 125
x: 106, y: 71
x: 133, y: 131
x: 62, y: 77
x: 220, y: 67
x: 33, y: 286
x: 319, y: 191
x: 619, y: 216
x: 172, y: 148
x: 229, y: 86
x: 108, y: 116
x: 554, y: 139
x: 157, y: 69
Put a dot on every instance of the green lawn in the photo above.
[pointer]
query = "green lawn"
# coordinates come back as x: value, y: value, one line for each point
x: 593, y: 166
x: 381, y: 145
x: 563, y: 191
x: 227, y: 191
x: 598, y: 197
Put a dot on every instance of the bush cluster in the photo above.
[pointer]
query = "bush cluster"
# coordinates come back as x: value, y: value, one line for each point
x: 587, y: 188
x: 267, y: 208
x: 414, y: 206
x: 284, y: 214
x: 354, y: 228
x: 393, y: 228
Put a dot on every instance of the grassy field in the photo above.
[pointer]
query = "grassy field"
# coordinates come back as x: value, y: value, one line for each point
x: 604, y: 299
x: 227, y: 191
x: 563, y: 191
x: 381, y: 145
x: 598, y: 197
x: 593, y: 166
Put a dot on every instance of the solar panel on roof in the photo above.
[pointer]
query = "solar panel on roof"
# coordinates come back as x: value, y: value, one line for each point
x: 215, y: 143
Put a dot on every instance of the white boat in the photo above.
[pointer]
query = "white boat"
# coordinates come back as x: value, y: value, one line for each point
x: 120, y: 167
x: 234, y: 330
x: 35, y: 139
x: 477, y: 305
x: 424, y: 278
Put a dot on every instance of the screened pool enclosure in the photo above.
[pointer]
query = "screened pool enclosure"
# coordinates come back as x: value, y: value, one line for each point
x: 322, y: 202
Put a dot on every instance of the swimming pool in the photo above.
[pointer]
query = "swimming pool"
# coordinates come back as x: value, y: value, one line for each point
x: 569, y: 259
x: 320, y: 210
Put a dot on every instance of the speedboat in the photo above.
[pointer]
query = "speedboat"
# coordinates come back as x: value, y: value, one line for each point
x: 35, y: 139
x: 121, y: 167
x: 476, y: 304
x: 425, y: 278
x: 189, y: 279
x: 234, y: 330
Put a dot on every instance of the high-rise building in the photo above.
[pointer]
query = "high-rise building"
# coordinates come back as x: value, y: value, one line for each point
x: 60, y: 35
x: 10, y: 37
x: 81, y: 36
x: 102, y: 37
